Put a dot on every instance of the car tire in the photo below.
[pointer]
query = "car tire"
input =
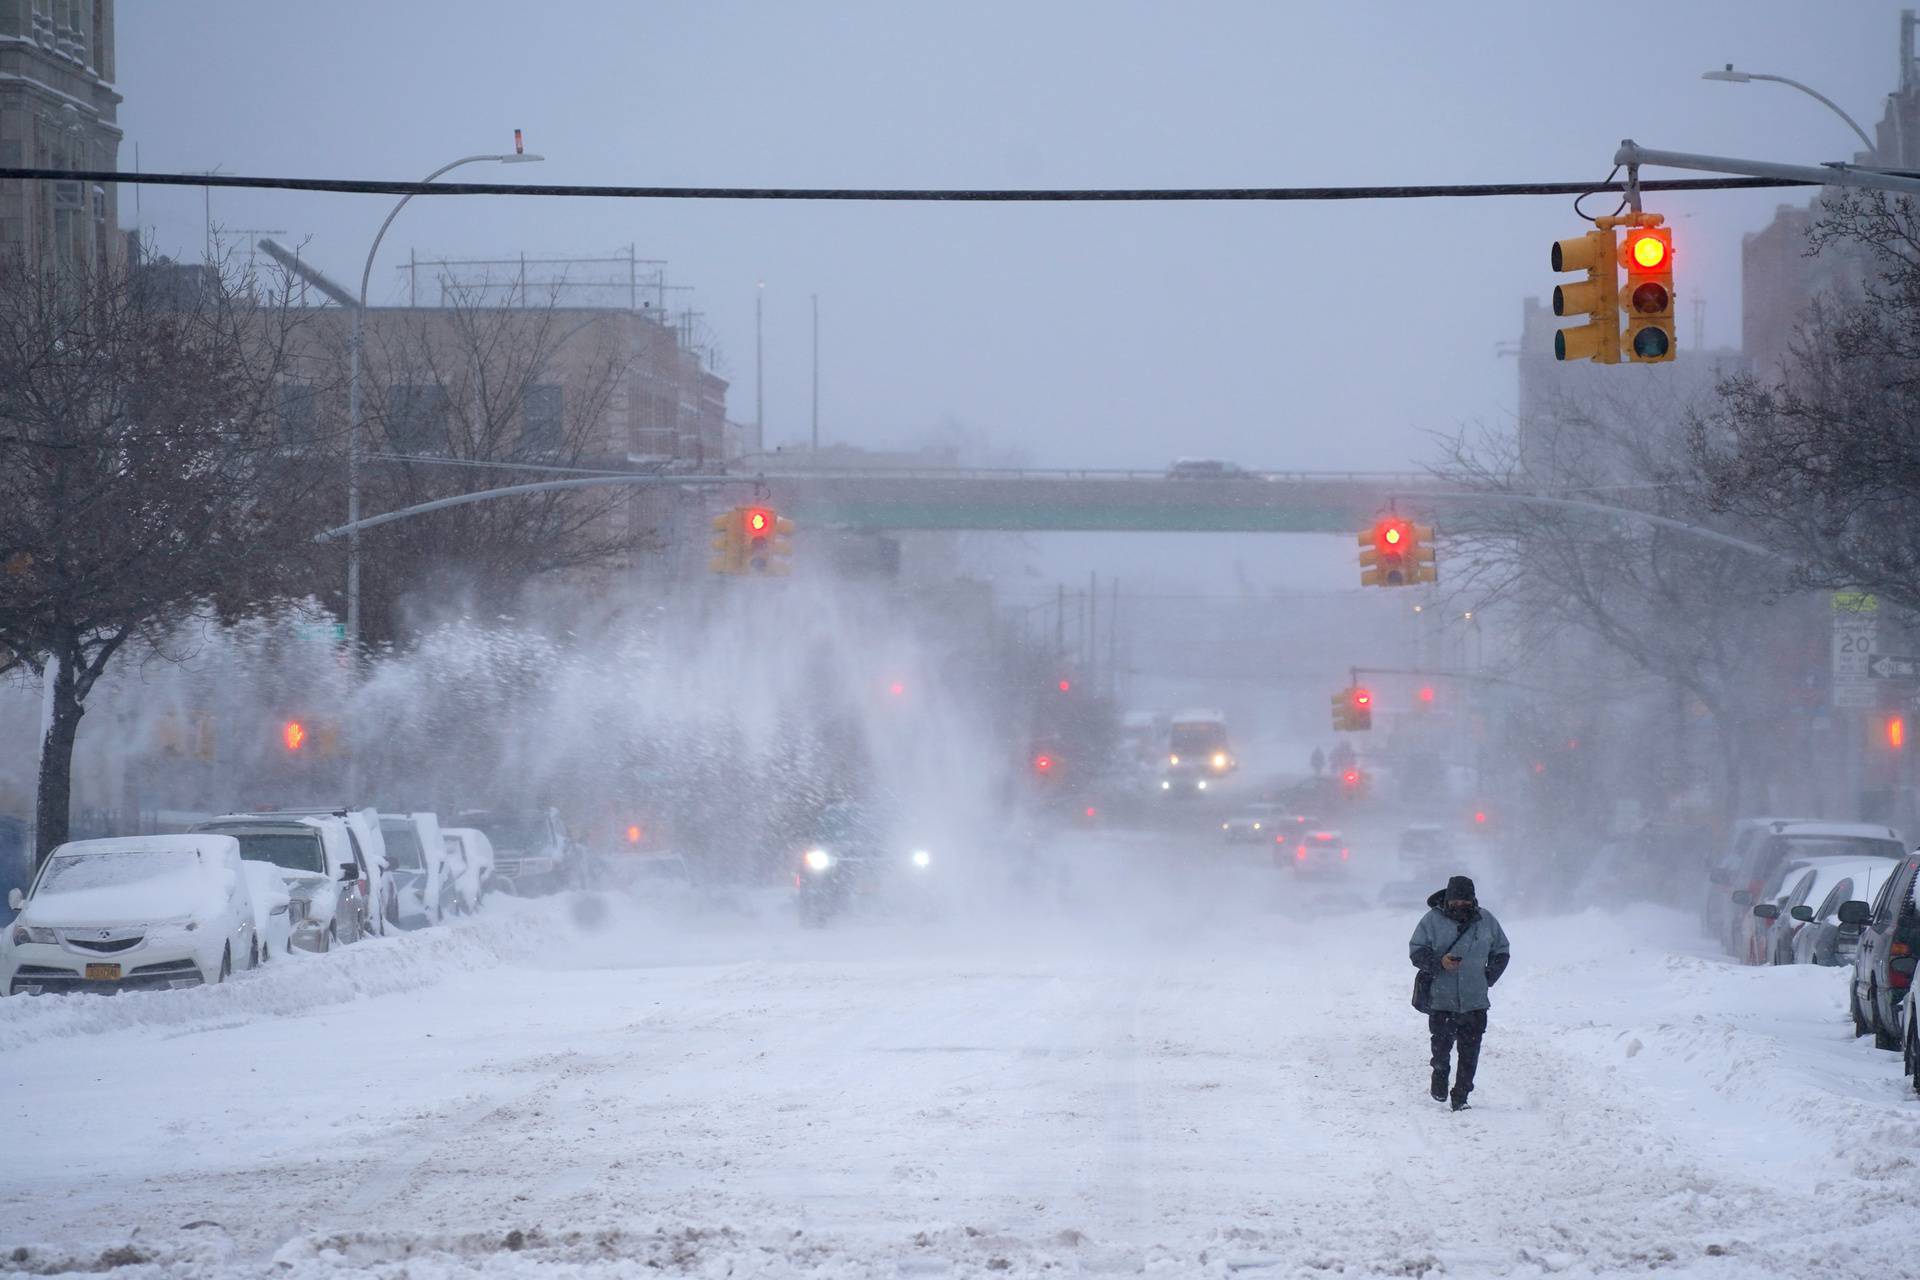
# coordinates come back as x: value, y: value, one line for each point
x: 331, y: 936
x: 253, y: 954
x: 226, y: 963
x: 1882, y: 1038
x: 1860, y: 1026
x: 1910, y: 1054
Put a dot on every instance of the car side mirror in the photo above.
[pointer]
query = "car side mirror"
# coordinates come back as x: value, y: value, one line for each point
x: 349, y: 872
x: 1855, y: 912
x: 1803, y: 913
x: 1766, y: 911
x: 16, y: 899
x: 1741, y: 898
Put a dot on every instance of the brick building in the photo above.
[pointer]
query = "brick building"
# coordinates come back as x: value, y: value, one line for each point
x: 58, y: 109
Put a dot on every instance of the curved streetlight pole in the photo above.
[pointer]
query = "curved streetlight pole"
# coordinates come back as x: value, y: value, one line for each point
x: 1741, y: 77
x: 353, y: 395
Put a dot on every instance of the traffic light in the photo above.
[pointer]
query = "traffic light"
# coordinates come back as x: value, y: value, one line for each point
x: 1426, y: 695
x: 782, y: 545
x: 1597, y: 297
x: 1353, y: 709
x: 294, y: 734
x: 756, y: 532
x: 729, y: 544
x: 1896, y: 732
x: 1647, y: 254
x: 304, y: 738
x: 1383, y: 553
x: 1420, y: 558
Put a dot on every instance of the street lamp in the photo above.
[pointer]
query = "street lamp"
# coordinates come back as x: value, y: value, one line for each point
x: 353, y: 391
x: 1741, y: 77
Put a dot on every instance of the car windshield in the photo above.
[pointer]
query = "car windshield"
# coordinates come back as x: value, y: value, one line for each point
x: 1197, y: 739
x: 294, y: 850
x: 75, y: 871
x: 1799, y: 848
x: 510, y: 830
x: 403, y: 846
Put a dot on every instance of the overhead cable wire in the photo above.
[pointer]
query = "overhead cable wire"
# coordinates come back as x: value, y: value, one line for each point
x: 936, y: 195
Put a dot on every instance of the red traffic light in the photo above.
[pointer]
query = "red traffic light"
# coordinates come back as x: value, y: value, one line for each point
x: 896, y: 688
x: 1350, y: 777
x: 1426, y: 693
x: 1042, y: 764
x: 1362, y: 698
x: 1066, y: 686
x: 294, y: 734
x: 1647, y: 250
x: 1480, y: 817
x: 759, y: 520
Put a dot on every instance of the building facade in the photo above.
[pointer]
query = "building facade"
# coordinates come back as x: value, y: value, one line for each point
x: 58, y: 109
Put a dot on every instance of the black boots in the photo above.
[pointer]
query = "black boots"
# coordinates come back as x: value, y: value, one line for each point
x: 1439, y: 1089
x: 1460, y: 1102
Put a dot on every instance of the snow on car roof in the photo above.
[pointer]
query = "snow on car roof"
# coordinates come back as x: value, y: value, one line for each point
x: 1845, y: 830
x: 196, y: 842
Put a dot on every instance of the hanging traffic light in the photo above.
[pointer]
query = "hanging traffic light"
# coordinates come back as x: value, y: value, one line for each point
x: 1597, y: 297
x: 1353, y: 709
x: 756, y: 531
x: 1384, y: 552
x: 728, y: 543
x: 1647, y: 254
x: 1420, y: 556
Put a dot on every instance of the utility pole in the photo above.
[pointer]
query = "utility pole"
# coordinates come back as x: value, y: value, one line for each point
x: 1093, y: 628
x: 759, y: 369
x: 1060, y: 622
x: 816, y: 373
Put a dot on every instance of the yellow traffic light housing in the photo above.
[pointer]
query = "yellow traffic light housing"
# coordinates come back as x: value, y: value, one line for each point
x: 1387, y: 553
x: 1647, y: 298
x: 1597, y: 298
x: 782, y: 546
x: 1421, y: 566
x: 1342, y: 703
x: 728, y: 543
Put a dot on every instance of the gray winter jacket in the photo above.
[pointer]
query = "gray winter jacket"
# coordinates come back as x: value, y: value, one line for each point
x: 1483, y: 952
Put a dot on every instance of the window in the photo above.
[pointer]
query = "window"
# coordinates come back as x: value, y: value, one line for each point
x: 297, y: 412
x: 417, y: 419
x: 543, y: 429
x: 1830, y: 905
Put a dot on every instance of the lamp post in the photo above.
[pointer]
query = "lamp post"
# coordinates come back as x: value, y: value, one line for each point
x: 353, y: 392
x: 1731, y: 76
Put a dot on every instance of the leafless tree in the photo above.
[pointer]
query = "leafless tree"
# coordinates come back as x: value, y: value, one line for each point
x: 483, y: 392
x: 1687, y: 622
x: 1824, y: 459
x: 141, y: 475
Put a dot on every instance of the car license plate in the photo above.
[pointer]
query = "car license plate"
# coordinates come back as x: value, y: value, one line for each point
x: 103, y: 972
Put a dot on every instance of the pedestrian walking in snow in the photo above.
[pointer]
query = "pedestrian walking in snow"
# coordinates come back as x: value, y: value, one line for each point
x: 1460, y: 951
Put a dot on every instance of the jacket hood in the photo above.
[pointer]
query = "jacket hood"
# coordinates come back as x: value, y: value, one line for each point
x: 1437, y: 899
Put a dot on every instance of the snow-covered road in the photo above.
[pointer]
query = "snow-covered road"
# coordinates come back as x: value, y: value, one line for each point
x: 1181, y: 1072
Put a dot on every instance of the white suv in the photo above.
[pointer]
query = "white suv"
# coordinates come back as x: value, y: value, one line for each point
x: 315, y: 854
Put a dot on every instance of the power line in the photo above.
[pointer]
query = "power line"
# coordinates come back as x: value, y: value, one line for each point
x: 1014, y: 195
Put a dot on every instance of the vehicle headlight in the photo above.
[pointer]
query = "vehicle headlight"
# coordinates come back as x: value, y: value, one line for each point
x: 1165, y: 785
x: 818, y: 860
x: 23, y: 934
x: 922, y: 859
x: 1173, y: 759
x: 298, y: 909
x: 1219, y: 759
x: 1202, y: 784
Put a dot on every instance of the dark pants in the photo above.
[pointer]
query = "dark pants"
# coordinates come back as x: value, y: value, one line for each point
x: 1446, y: 1028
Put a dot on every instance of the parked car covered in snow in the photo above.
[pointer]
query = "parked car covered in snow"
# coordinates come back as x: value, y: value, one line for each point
x: 469, y: 865
x: 1769, y: 849
x: 417, y: 866
x: 1826, y: 939
x: 272, y: 908
x: 532, y: 852
x: 319, y: 862
x: 137, y: 912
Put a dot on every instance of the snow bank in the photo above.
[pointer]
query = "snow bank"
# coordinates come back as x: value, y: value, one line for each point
x: 511, y: 930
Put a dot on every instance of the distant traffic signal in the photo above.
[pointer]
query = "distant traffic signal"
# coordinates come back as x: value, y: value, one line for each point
x: 1383, y: 553
x: 294, y: 734
x: 303, y: 738
x: 1396, y: 553
x: 1647, y: 254
x: 1597, y: 297
x: 1896, y: 732
x: 751, y: 540
x: 1353, y: 709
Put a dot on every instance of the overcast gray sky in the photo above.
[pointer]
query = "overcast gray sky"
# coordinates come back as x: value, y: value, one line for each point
x: 1292, y: 335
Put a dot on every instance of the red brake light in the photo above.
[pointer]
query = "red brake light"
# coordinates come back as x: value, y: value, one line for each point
x: 1343, y: 854
x: 1090, y: 811
x: 1300, y: 854
x: 1480, y: 815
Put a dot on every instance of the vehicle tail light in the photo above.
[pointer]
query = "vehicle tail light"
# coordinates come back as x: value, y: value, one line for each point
x: 1900, y: 973
x: 1300, y: 854
x: 1899, y: 949
x: 364, y: 891
x: 1343, y: 855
